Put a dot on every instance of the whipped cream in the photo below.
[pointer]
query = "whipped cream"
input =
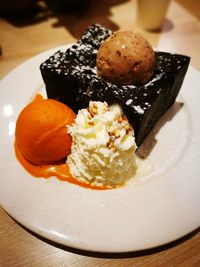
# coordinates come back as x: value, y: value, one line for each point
x: 103, y: 147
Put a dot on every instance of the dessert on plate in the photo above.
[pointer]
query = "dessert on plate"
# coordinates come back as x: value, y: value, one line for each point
x: 103, y: 146
x: 119, y: 87
x: 71, y: 76
x: 98, y: 144
x: 126, y: 58
x: 40, y: 132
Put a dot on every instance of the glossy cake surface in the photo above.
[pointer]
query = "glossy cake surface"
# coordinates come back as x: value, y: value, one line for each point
x: 71, y: 77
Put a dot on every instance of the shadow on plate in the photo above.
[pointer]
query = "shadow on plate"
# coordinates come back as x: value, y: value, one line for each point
x: 150, y: 141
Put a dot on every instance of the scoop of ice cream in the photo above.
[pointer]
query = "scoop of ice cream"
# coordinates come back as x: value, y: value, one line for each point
x: 41, y: 133
x: 103, y: 147
x: 126, y: 58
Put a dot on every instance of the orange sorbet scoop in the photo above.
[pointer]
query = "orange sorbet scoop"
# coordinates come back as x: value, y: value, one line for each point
x: 41, y: 133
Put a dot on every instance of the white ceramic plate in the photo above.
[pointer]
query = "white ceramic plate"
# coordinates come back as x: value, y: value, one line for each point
x: 161, y: 204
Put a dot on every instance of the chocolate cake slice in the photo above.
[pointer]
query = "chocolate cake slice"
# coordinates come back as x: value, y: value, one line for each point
x: 71, y: 77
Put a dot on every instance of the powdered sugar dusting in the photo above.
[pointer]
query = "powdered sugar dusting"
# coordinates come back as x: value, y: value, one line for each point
x: 138, y: 109
x: 156, y: 78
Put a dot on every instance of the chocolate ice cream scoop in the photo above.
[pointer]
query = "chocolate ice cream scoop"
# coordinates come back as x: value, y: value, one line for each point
x: 126, y: 58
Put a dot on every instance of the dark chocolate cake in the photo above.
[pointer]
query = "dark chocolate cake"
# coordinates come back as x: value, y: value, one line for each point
x: 71, y: 77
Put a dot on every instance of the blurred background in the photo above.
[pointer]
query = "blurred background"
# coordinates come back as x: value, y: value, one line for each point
x: 28, y: 27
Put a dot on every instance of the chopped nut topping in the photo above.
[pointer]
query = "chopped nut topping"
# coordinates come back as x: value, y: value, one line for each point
x: 114, y: 133
x: 89, y: 116
x: 93, y: 111
x: 111, y: 145
x: 94, y: 105
x: 124, y: 118
x: 91, y: 123
x: 128, y: 128
x: 117, y: 134
x: 119, y: 120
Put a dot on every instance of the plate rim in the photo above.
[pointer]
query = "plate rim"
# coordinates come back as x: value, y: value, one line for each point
x: 44, y: 233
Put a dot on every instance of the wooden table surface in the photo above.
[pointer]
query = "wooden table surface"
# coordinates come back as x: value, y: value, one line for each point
x: 20, y: 39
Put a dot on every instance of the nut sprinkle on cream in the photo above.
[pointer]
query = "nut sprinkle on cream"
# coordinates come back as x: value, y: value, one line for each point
x: 103, y: 146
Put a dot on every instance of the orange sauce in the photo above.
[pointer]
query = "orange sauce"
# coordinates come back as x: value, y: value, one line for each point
x: 59, y: 170
x: 37, y: 98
